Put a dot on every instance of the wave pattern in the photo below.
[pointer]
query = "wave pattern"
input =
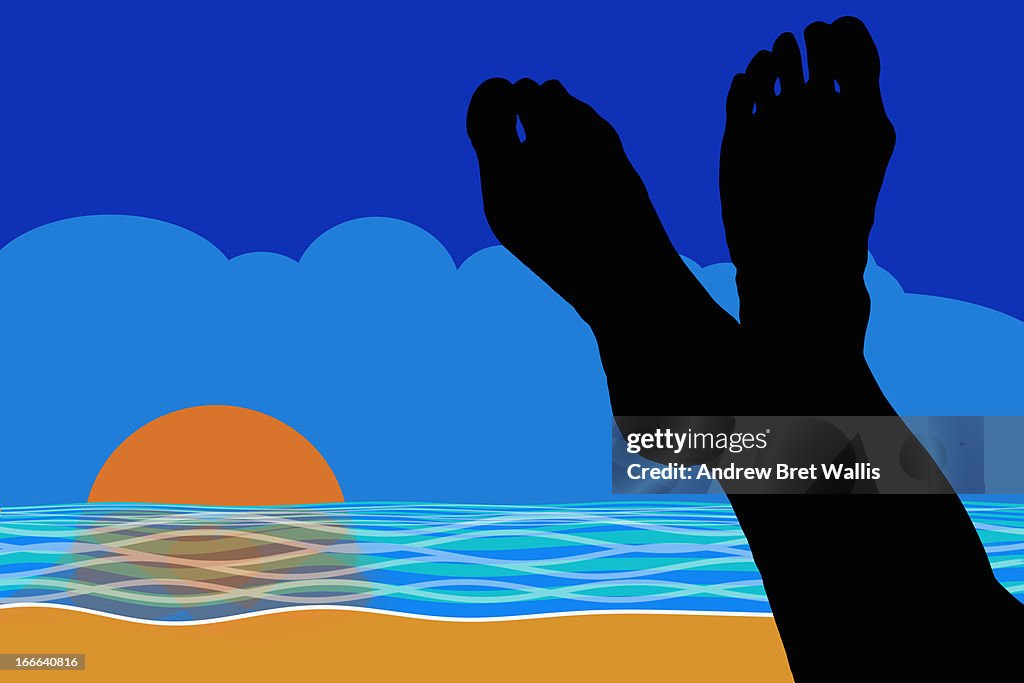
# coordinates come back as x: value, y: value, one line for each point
x: 175, y: 563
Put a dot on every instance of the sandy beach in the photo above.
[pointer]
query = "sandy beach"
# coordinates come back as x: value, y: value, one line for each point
x: 309, y: 645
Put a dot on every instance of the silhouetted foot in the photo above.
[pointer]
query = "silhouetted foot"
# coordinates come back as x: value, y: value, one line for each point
x: 567, y: 203
x: 566, y: 200
x: 800, y: 174
x: 886, y: 577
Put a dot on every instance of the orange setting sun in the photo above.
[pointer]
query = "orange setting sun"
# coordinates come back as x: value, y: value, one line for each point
x: 216, y: 455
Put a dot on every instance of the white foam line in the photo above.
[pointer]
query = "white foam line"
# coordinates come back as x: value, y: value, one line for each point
x: 371, y: 610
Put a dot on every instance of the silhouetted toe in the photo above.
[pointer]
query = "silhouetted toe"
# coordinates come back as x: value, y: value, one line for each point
x: 786, y: 54
x: 491, y: 120
x: 821, y: 73
x: 856, y: 59
x: 761, y: 76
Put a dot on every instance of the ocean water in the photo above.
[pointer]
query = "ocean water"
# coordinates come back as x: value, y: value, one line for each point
x: 178, y: 563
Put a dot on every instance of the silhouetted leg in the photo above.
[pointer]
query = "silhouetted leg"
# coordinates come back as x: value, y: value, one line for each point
x: 858, y: 584
x: 539, y: 196
x: 567, y: 203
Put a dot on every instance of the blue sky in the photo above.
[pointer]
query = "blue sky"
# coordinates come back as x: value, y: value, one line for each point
x: 261, y: 125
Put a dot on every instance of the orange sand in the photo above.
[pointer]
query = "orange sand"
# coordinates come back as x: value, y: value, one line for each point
x: 332, y: 645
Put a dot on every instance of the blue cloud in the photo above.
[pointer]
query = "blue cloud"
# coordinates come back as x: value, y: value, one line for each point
x: 416, y: 380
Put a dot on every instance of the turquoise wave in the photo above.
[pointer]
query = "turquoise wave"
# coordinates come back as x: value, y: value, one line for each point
x: 181, y: 563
